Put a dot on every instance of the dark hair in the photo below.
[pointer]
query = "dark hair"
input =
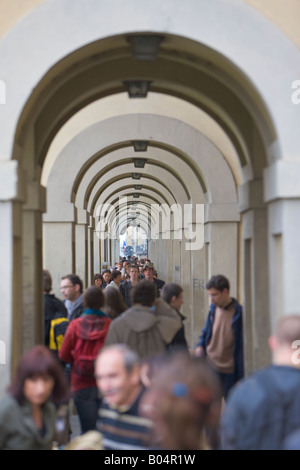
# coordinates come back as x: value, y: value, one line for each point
x: 106, y: 271
x: 115, y: 274
x: 74, y: 279
x: 134, y: 266
x: 40, y: 361
x: 47, y: 281
x: 170, y: 290
x: 114, y: 303
x: 93, y: 298
x: 144, y: 293
x: 98, y: 276
x: 218, y: 282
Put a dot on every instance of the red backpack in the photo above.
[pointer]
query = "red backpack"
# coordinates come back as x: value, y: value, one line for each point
x: 91, y: 334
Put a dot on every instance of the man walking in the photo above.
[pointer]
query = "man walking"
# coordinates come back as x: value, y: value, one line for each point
x: 221, y: 341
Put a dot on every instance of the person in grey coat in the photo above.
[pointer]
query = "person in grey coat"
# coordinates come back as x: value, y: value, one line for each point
x: 148, y: 326
x: 28, y: 412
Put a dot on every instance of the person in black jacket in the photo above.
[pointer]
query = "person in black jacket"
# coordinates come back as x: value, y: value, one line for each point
x: 126, y: 287
x: 173, y: 294
x: 52, y: 305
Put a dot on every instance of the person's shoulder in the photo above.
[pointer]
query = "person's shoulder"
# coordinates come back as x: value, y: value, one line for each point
x: 7, y: 405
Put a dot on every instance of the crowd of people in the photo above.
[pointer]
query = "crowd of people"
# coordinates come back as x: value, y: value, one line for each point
x: 117, y: 351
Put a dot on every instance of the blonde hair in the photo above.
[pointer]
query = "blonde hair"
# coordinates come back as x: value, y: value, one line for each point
x: 91, y: 440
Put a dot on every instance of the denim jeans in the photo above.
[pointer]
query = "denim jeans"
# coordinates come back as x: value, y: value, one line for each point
x: 87, y: 402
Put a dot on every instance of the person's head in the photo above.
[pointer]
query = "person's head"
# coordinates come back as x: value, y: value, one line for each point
x: 184, y: 401
x: 106, y: 274
x: 148, y: 271
x: 114, y: 303
x: 47, y: 281
x: 71, y: 287
x: 173, y: 294
x: 117, y: 373
x: 39, y: 378
x: 218, y: 288
x: 93, y: 298
x: 119, y: 266
x: 116, y: 276
x: 144, y: 293
x: 133, y: 272
x: 284, y: 343
x: 98, y: 279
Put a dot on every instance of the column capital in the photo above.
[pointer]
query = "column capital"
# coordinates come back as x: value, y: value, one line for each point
x: 281, y: 180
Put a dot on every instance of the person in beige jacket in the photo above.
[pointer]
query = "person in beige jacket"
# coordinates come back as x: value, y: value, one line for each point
x: 148, y: 326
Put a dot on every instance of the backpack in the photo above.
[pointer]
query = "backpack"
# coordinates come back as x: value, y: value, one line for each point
x: 88, y: 345
x: 58, y: 327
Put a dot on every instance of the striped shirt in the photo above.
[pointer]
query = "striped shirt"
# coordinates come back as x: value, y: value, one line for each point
x: 123, y: 428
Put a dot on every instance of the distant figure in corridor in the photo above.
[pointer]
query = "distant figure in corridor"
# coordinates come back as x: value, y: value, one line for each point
x: 126, y: 287
x: 54, y: 308
x: 98, y: 280
x: 114, y: 303
x: 115, y: 279
x: 263, y: 410
x: 221, y: 340
x: 173, y: 294
x: 71, y: 287
x: 28, y: 412
x: 106, y: 274
x: 149, y: 274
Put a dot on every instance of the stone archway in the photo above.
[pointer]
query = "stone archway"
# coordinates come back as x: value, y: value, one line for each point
x: 234, y: 88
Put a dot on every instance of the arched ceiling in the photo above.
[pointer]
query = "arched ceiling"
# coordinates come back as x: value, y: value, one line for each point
x: 181, y: 68
x: 180, y: 165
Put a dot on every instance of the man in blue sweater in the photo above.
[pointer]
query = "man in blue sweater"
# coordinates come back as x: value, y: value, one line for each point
x: 221, y: 340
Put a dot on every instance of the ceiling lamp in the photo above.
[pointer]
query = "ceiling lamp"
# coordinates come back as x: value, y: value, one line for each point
x: 139, y: 162
x: 137, y: 88
x: 145, y: 47
x: 136, y: 176
x: 140, y: 145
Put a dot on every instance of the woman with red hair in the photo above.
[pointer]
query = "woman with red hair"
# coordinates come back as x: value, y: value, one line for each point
x: 28, y: 412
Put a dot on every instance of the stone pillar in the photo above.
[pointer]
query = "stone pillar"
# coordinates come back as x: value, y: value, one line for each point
x: 12, y: 194
x: 96, y: 253
x: 59, y: 243
x: 32, y: 295
x: 81, y: 246
x: 255, y: 275
x: 282, y: 192
x: 221, y: 233
x: 90, y: 252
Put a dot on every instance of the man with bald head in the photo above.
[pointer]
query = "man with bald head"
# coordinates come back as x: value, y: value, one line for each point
x: 264, y: 409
